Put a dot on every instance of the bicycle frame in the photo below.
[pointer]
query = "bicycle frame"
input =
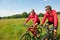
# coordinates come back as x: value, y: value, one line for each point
x: 33, y: 28
x: 27, y: 33
x: 49, y: 33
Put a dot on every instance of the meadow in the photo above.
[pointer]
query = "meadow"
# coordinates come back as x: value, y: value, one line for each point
x: 13, y: 29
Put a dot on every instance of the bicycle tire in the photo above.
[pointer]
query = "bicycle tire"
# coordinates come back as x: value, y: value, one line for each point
x: 39, y: 30
x: 44, y: 38
x: 25, y: 37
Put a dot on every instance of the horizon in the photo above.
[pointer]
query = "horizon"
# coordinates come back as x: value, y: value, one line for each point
x: 12, y: 7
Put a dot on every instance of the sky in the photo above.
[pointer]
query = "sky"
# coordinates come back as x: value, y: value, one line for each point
x: 12, y: 7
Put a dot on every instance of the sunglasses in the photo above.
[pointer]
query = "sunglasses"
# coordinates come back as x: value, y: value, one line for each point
x: 47, y: 9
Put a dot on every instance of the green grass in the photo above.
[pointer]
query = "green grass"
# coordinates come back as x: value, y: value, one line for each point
x: 12, y: 29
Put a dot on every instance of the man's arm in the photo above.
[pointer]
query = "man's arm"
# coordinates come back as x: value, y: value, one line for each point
x: 55, y: 19
x: 44, y: 18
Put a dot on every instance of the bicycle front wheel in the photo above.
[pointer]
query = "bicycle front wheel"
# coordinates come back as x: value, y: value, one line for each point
x: 26, y: 37
x: 39, y: 30
x: 44, y: 38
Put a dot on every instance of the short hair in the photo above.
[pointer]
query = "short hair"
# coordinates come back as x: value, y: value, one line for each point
x: 48, y: 7
x: 32, y: 9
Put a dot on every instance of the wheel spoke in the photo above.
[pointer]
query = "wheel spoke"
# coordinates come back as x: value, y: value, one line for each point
x: 26, y: 37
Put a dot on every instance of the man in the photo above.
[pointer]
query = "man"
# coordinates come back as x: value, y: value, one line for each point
x: 51, y: 15
x: 35, y: 20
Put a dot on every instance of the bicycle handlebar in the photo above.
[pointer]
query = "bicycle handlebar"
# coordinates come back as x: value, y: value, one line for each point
x: 25, y: 25
x: 32, y: 26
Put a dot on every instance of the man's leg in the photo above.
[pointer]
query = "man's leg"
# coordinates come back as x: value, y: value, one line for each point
x: 55, y: 33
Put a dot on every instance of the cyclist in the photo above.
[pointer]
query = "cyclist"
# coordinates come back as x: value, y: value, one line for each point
x: 35, y: 20
x: 51, y: 15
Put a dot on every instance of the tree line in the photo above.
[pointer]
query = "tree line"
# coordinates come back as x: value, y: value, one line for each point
x: 23, y: 15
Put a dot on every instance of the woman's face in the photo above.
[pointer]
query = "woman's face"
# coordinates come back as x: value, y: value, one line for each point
x: 32, y: 12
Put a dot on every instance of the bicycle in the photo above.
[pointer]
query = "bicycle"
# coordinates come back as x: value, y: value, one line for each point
x: 49, y: 34
x: 27, y: 35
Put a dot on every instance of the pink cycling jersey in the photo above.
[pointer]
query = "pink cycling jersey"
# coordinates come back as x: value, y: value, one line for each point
x: 52, y: 17
x: 34, y: 18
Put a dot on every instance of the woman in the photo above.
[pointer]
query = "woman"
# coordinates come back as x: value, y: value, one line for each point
x: 35, y: 20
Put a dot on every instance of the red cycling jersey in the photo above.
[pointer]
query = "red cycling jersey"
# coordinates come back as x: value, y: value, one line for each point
x: 52, y: 17
x: 34, y: 18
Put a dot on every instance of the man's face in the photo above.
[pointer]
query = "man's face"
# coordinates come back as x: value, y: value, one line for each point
x: 47, y: 10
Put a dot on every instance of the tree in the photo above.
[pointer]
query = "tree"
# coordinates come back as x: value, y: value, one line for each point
x: 24, y: 15
x: 58, y: 13
x: 41, y: 15
x: 16, y: 16
x: 0, y: 17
